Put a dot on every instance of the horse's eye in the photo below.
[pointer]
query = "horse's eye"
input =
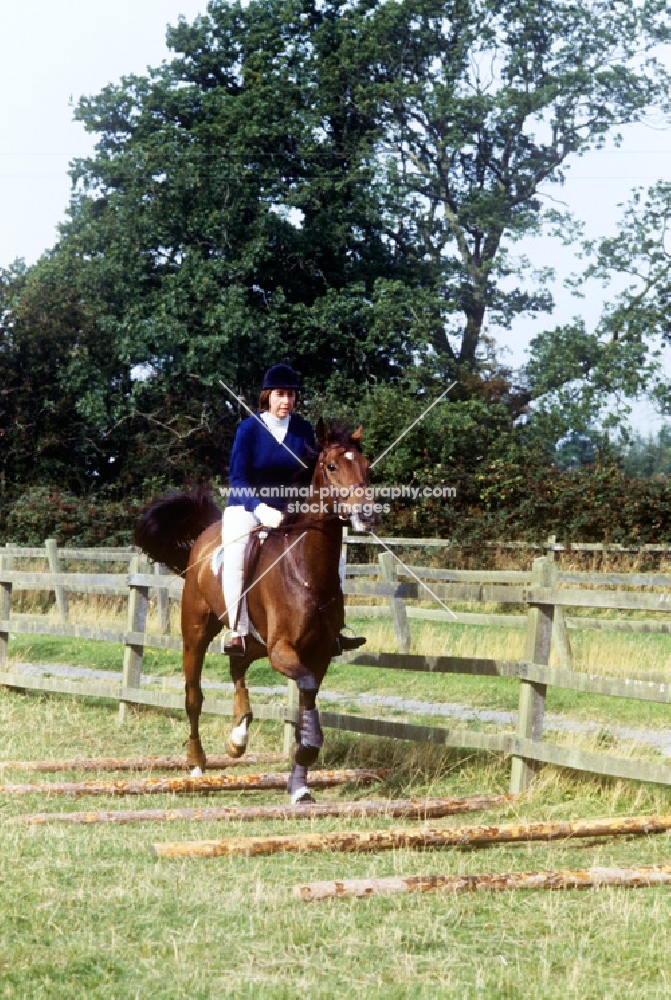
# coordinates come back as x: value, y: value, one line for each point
x: 332, y: 467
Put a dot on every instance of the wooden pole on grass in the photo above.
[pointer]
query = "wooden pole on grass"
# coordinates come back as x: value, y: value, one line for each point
x: 420, y: 809
x: 169, y: 762
x: 387, y: 840
x: 206, y: 784
x: 587, y: 878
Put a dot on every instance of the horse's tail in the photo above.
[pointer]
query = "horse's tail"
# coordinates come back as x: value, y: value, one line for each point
x: 168, y: 528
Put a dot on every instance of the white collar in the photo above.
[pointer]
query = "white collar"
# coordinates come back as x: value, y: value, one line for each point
x: 278, y: 426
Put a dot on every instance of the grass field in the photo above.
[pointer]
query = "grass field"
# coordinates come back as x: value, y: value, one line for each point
x: 90, y: 912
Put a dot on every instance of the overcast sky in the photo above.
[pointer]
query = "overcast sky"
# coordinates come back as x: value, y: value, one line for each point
x: 54, y: 51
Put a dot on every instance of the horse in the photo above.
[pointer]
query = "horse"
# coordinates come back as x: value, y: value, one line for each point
x: 294, y: 595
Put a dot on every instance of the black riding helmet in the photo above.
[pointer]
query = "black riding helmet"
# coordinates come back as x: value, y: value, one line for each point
x: 280, y: 377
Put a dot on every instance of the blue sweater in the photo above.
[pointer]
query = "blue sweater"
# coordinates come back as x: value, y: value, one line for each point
x: 259, y: 462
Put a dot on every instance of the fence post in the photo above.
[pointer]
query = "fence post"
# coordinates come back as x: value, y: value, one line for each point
x: 398, y: 613
x: 560, y: 639
x: 162, y: 601
x: 289, y: 742
x: 138, y: 599
x: 532, y: 696
x: 5, y: 604
x: 55, y: 567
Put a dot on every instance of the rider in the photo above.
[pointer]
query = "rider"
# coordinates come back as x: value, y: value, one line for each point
x: 267, y: 452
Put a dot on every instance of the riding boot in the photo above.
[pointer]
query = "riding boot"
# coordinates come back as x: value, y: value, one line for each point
x: 235, y: 646
x: 343, y: 643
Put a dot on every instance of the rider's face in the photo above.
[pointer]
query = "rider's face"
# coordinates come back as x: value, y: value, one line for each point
x: 281, y: 402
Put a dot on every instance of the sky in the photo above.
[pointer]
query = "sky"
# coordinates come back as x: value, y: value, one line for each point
x: 54, y: 51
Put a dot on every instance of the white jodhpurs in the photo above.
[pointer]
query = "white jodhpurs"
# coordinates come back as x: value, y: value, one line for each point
x: 236, y: 526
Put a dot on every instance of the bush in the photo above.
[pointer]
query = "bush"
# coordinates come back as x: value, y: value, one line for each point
x: 42, y: 512
x: 515, y: 501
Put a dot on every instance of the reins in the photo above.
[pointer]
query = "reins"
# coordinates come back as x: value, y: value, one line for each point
x: 310, y: 523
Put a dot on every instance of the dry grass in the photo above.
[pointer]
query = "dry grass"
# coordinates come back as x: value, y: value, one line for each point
x: 90, y: 912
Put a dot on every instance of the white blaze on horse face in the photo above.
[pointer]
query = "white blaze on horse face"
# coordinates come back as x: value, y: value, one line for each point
x: 349, y: 455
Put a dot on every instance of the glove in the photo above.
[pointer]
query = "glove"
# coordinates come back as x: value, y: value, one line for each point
x: 268, y: 516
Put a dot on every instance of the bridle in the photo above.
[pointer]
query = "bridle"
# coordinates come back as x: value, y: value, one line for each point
x: 291, y: 557
x: 351, y: 490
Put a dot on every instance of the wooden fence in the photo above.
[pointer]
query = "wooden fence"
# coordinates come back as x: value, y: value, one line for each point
x: 542, y: 595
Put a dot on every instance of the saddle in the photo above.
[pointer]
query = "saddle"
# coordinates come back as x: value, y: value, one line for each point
x: 251, y: 558
x: 252, y: 553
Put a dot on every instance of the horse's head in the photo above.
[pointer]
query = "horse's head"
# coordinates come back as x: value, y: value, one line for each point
x: 344, y: 479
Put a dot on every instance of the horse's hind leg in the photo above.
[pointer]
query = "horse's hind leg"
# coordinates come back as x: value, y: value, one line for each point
x: 198, y: 630
x: 242, y: 710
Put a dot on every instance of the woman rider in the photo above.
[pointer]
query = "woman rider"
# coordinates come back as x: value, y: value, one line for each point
x: 266, y: 454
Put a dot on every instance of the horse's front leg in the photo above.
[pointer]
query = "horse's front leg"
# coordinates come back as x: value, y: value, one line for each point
x: 309, y: 741
x: 309, y: 736
x: 242, y: 710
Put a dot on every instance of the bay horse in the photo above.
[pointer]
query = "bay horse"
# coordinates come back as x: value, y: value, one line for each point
x: 294, y: 597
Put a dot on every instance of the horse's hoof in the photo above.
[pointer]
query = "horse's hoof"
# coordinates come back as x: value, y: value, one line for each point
x: 301, y: 796
x: 196, y: 773
x: 235, y: 749
x: 195, y: 755
x: 239, y: 737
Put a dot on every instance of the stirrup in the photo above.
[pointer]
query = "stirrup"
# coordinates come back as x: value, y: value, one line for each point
x: 233, y: 648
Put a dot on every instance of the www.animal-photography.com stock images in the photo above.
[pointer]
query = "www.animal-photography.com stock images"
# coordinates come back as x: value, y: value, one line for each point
x: 335, y: 500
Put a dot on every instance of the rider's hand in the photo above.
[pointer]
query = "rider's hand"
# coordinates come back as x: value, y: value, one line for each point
x: 268, y: 516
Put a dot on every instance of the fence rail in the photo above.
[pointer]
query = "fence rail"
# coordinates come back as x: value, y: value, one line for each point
x: 552, y: 544
x: 542, y: 595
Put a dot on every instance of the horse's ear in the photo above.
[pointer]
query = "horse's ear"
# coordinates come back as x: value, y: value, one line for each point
x: 322, y: 433
x: 358, y: 434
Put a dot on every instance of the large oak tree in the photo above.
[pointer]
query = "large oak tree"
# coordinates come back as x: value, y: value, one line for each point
x: 340, y: 184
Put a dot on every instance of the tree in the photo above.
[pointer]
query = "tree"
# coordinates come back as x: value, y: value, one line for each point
x: 230, y: 208
x: 335, y: 184
x: 582, y: 379
x: 482, y: 104
x: 293, y: 151
x: 52, y: 364
x: 649, y: 456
